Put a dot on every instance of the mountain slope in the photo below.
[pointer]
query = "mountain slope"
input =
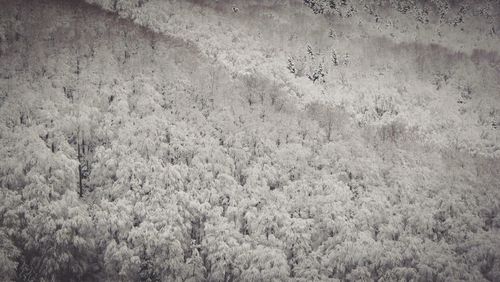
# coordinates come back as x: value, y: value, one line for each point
x: 191, y: 140
x: 437, y: 71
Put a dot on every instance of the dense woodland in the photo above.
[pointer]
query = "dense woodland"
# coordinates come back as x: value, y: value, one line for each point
x: 249, y: 141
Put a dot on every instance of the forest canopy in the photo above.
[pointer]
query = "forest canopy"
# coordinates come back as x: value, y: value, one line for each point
x: 150, y: 140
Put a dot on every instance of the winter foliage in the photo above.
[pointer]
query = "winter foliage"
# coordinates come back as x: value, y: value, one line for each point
x: 150, y: 140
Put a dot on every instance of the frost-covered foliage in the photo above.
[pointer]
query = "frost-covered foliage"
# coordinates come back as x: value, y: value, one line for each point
x: 158, y: 150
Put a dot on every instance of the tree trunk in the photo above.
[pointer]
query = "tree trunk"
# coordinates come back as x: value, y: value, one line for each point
x: 80, y: 172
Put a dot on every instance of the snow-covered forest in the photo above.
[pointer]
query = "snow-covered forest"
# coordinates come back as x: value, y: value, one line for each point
x: 249, y: 140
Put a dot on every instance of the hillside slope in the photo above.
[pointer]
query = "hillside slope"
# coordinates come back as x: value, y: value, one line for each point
x: 244, y: 141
